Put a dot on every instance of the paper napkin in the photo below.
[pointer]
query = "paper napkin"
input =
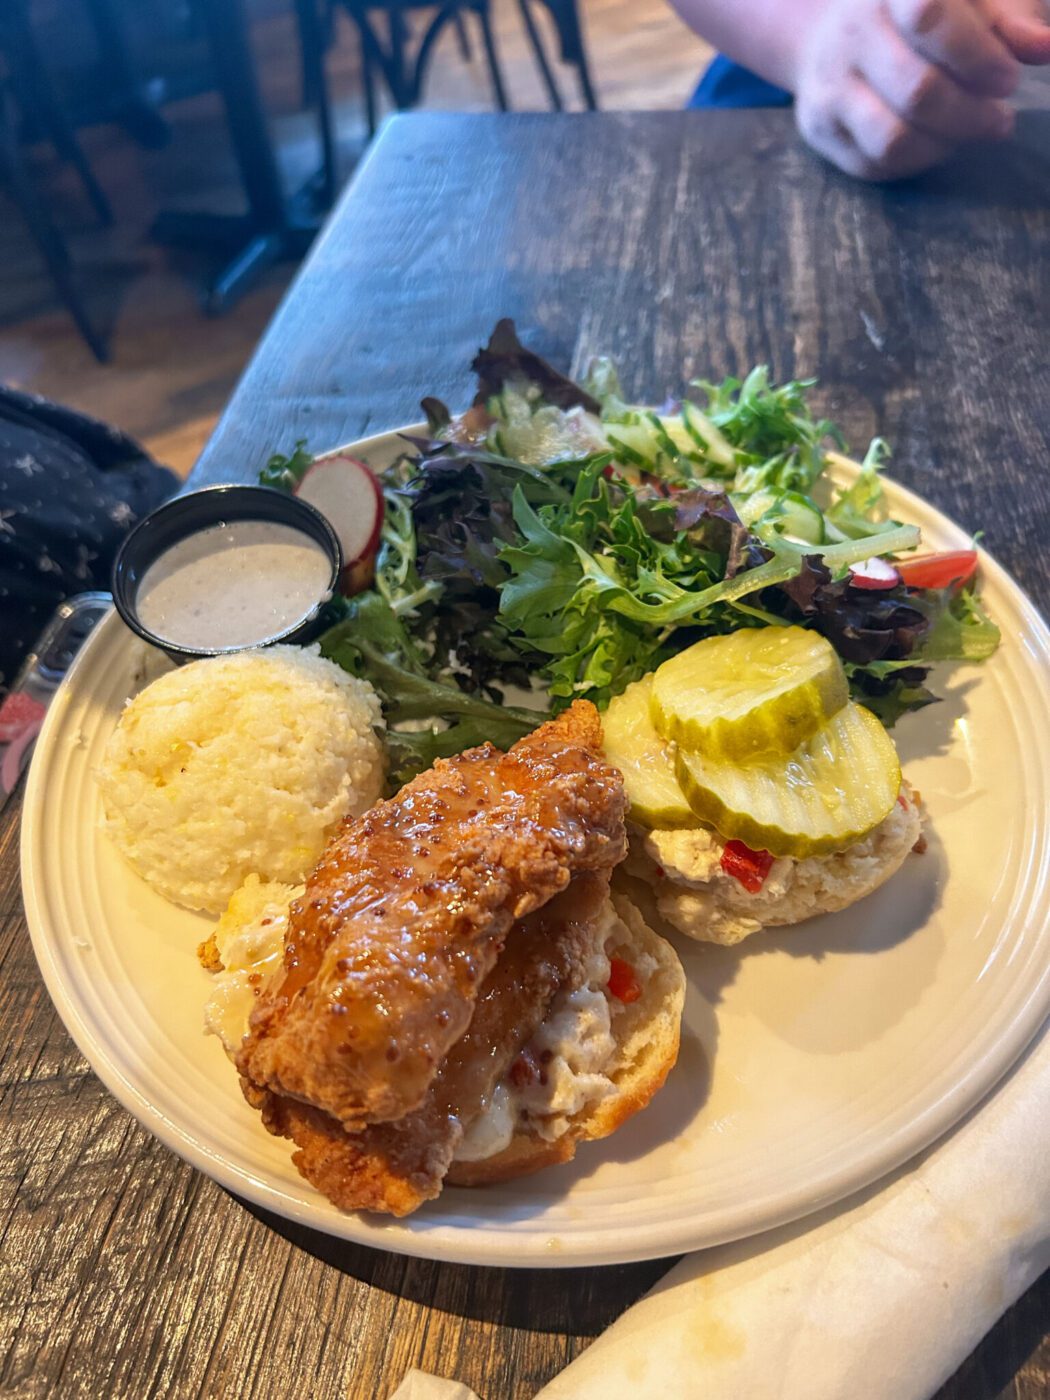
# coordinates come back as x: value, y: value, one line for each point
x: 880, y: 1298
x: 418, y: 1385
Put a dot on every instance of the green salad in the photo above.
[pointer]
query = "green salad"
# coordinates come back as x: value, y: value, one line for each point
x: 559, y: 542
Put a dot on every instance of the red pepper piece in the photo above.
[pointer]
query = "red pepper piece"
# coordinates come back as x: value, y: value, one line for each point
x: 623, y: 981
x: 952, y: 568
x: 524, y: 1070
x: 748, y: 866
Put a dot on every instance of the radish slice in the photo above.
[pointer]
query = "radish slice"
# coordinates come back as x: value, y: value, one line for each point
x: 349, y: 496
x: 873, y: 573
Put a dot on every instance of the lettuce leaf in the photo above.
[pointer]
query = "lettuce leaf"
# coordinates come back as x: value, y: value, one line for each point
x: 372, y: 642
x: 600, y: 586
x: 960, y: 629
x: 284, y: 473
x: 890, y: 689
x: 504, y: 360
x: 855, y: 510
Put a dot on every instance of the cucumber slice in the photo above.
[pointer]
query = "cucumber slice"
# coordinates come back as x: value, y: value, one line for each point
x: 707, y: 437
x: 667, y: 446
x: 752, y: 505
x: 682, y: 442
x: 633, y: 745
x: 794, y: 515
x: 802, y: 519
x: 635, y: 443
x: 762, y: 690
x: 649, y: 440
x: 827, y: 795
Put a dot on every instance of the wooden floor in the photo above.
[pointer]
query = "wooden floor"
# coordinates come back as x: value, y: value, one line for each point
x: 172, y: 368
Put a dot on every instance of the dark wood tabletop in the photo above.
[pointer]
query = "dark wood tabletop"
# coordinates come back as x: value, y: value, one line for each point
x: 682, y: 244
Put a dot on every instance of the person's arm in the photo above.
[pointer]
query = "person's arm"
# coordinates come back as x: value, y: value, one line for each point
x: 762, y: 35
x: 884, y: 88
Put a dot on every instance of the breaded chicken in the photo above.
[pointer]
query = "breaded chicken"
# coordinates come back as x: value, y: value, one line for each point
x: 406, y: 913
x: 395, y: 1167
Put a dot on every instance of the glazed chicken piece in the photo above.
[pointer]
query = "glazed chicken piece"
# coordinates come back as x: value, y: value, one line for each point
x: 409, y: 908
x: 395, y: 1167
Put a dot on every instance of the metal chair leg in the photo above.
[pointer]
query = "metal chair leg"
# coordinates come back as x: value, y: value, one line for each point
x: 368, y: 82
x: 493, y: 59
x: 50, y: 244
x: 462, y: 38
x: 374, y: 60
x: 137, y: 114
x: 389, y: 59
x: 574, y: 50
x: 308, y: 24
x: 586, y: 86
x: 404, y: 78
x: 398, y: 58
x: 35, y: 93
x: 540, y: 54
x: 315, y: 89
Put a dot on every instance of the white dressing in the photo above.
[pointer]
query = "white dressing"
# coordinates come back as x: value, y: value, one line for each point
x: 233, y: 585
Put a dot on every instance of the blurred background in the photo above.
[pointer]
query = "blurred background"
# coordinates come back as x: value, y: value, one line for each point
x: 163, y: 164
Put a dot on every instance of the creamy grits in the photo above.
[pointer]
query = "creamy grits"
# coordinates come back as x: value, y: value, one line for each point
x: 233, y: 585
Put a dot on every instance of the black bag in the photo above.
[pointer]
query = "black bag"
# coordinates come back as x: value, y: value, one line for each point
x: 70, y: 490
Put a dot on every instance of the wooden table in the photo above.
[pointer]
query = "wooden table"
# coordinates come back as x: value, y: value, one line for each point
x: 682, y: 244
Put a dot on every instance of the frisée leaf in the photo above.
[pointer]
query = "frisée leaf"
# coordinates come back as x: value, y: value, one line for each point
x: 284, y: 473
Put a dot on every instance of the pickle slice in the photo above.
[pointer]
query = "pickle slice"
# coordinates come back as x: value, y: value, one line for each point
x: 762, y: 690
x: 633, y: 745
x: 831, y: 792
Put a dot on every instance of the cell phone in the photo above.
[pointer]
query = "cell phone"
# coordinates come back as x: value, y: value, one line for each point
x: 24, y: 707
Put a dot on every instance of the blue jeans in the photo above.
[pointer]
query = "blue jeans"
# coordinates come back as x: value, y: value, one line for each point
x: 726, y: 84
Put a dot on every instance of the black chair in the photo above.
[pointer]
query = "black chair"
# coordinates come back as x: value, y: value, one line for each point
x: 42, y: 114
x: 276, y: 225
x: 566, y: 17
x: 387, y: 55
x: 131, y: 104
x: 16, y: 180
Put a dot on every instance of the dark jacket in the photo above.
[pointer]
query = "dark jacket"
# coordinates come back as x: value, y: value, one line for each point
x: 70, y: 490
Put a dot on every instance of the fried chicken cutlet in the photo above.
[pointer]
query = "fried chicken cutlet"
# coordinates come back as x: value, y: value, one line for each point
x: 395, y: 1167
x: 410, y: 906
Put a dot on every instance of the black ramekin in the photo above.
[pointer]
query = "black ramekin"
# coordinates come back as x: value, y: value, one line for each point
x: 198, y: 510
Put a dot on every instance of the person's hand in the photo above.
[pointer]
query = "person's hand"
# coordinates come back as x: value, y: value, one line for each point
x: 886, y: 88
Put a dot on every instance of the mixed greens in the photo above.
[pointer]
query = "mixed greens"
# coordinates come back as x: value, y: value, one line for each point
x: 561, y: 541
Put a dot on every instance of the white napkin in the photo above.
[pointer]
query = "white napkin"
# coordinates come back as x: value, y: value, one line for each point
x: 418, y: 1385
x: 882, y: 1297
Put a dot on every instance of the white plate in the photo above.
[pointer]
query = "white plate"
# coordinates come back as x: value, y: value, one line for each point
x: 814, y: 1060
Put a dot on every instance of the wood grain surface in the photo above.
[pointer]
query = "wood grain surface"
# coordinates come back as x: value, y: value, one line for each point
x: 682, y: 244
